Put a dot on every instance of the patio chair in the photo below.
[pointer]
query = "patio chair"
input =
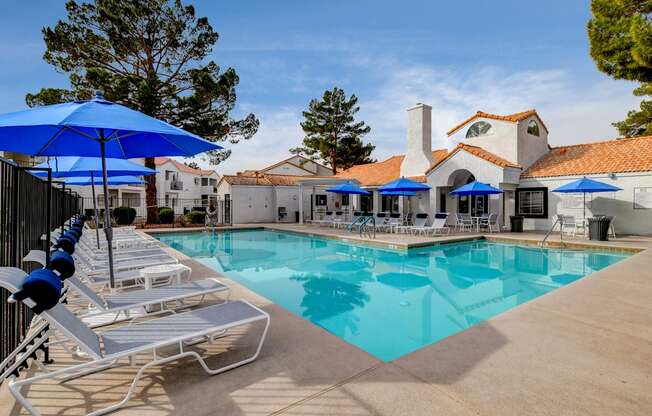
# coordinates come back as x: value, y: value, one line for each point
x: 382, y: 218
x: 338, y: 219
x: 327, y: 220
x: 438, y: 227
x: 463, y: 222
x: 106, y: 349
x: 572, y: 226
x: 393, y: 221
x: 420, y: 221
x: 490, y: 222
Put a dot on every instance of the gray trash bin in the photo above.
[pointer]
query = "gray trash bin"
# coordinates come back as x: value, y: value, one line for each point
x: 516, y: 222
x: 599, y: 228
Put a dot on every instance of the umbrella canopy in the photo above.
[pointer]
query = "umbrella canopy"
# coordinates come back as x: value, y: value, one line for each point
x: 96, y: 127
x: 74, y: 166
x: 404, y: 184
x: 347, y: 189
x: 476, y: 188
x: 71, y: 129
x: 398, y: 193
x: 113, y: 180
x: 586, y: 185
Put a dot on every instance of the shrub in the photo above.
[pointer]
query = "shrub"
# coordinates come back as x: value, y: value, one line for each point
x: 165, y: 215
x: 196, y: 217
x: 124, y: 215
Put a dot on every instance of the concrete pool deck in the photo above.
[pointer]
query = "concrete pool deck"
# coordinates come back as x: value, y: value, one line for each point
x: 585, y: 349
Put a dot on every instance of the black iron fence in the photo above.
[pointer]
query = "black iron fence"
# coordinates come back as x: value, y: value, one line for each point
x: 179, y: 206
x: 29, y: 208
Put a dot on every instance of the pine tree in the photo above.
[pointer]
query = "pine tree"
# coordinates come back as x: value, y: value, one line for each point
x: 620, y: 35
x: 150, y: 56
x: 332, y: 134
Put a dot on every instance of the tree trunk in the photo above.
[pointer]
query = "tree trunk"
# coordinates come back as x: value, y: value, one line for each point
x: 150, y: 193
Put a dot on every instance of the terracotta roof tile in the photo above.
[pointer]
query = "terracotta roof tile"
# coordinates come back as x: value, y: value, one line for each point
x: 379, y: 173
x: 266, y: 179
x: 623, y: 155
x: 479, y: 152
x: 513, y: 118
x: 182, y: 166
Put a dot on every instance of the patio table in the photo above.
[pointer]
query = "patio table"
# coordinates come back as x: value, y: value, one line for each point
x: 164, y: 274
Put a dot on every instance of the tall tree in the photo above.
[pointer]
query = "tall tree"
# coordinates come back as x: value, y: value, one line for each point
x: 620, y: 35
x: 332, y: 134
x: 150, y: 55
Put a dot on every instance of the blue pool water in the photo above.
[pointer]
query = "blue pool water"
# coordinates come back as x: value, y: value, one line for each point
x: 388, y: 302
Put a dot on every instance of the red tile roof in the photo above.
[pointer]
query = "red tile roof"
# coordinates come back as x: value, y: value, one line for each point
x: 512, y: 118
x: 479, y: 152
x: 266, y: 179
x: 621, y: 155
x: 380, y: 173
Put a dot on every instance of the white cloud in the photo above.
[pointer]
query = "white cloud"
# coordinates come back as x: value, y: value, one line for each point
x: 573, y: 112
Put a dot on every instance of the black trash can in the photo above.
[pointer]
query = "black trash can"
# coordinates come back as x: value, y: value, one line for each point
x: 516, y: 222
x: 599, y: 228
x: 296, y: 216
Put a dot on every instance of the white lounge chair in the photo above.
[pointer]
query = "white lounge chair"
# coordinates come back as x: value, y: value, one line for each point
x: 122, y: 303
x: 107, y: 348
x: 326, y: 220
x: 420, y: 221
x: 438, y: 227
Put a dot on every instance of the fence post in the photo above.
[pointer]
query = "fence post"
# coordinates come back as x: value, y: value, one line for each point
x: 63, y: 206
x: 14, y: 221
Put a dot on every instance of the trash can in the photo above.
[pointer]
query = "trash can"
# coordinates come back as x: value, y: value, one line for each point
x: 599, y: 228
x: 516, y: 223
x: 296, y: 216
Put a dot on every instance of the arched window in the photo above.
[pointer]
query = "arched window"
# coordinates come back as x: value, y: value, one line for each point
x: 480, y: 128
x: 533, y: 128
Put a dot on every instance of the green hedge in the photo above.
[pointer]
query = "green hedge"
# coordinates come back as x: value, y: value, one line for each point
x: 196, y: 217
x: 124, y: 215
x: 165, y: 215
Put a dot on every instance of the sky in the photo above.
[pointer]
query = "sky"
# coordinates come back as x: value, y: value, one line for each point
x: 498, y: 56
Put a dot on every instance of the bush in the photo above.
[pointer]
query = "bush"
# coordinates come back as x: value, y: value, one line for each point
x: 124, y: 215
x: 165, y: 215
x: 196, y: 217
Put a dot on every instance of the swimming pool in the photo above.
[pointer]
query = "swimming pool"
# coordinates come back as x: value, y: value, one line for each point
x: 388, y: 302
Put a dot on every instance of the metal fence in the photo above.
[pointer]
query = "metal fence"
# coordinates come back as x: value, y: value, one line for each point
x: 180, y: 206
x: 29, y: 208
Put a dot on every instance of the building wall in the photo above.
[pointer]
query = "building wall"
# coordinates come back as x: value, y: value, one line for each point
x: 252, y: 204
x: 288, y: 169
x: 501, y: 142
x: 288, y: 197
x: 619, y: 204
x: 531, y: 148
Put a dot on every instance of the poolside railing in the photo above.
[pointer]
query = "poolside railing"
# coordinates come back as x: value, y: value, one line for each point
x: 29, y: 208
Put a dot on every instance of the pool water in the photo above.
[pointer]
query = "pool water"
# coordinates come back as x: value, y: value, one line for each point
x: 388, y: 302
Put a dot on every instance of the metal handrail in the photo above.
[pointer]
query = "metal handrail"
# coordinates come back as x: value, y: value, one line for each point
x: 364, y: 227
x: 560, y: 221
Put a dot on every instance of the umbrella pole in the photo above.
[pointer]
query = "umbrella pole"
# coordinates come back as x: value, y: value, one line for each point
x: 584, y: 212
x: 107, y: 217
x: 97, y: 217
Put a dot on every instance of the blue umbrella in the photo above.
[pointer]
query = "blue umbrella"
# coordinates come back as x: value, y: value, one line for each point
x: 398, y: 193
x: 113, y: 180
x: 404, y: 184
x: 75, y: 166
x: 96, y: 127
x: 476, y: 188
x: 348, y: 188
x: 584, y: 186
x: 91, y: 168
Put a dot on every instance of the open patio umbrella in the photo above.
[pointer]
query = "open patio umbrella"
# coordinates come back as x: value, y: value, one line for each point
x: 348, y: 188
x: 91, y: 168
x: 404, y: 184
x: 584, y: 186
x: 476, y: 188
x: 96, y: 128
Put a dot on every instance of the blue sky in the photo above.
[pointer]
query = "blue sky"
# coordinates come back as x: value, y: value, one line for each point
x: 459, y: 56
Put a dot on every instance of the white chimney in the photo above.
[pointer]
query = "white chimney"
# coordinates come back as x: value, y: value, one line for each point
x: 418, y: 157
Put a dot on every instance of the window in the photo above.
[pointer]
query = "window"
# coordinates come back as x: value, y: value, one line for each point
x: 196, y: 181
x: 204, y: 181
x: 212, y: 182
x: 480, y: 128
x: 533, y: 128
x: 389, y: 203
x: 345, y: 200
x: 366, y: 203
x: 532, y: 202
x: 320, y: 200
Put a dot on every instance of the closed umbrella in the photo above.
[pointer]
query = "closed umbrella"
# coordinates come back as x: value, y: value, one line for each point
x: 97, y: 128
x: 91, y: 168
x: 584, y: 186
